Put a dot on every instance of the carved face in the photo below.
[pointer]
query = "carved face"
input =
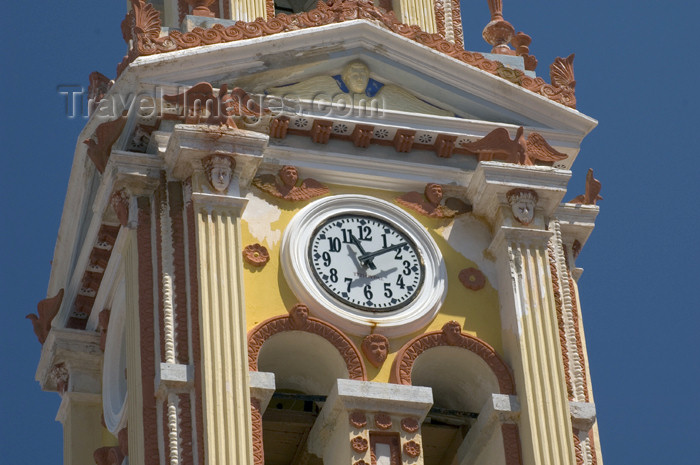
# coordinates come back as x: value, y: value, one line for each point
x: 452, y: 332
x: 356, y: 76
x: 289, y: 176
x: 299, y: 316
x: 433, y: 192
x: 219, y: 171
x: 522, y: 203
x: 376, y: 349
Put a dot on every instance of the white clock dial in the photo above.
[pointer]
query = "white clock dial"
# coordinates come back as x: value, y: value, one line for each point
x: 366, y: 262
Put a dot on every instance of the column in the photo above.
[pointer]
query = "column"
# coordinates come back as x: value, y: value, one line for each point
x: 418, y: 12
x: 516, y: 200
x: 247, y: 10
x: 217, y: 163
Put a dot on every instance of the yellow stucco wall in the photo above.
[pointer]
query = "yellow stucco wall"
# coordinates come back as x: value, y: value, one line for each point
x: 267, y: 293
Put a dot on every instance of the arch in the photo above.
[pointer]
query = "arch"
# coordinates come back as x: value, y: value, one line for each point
x: 451, y: 335
x: 298, y: 320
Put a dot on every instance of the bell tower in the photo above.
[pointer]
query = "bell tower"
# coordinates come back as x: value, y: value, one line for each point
x: 323, y: 233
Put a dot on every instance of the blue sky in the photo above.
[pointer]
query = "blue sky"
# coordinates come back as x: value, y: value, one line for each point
x: 636, y: 68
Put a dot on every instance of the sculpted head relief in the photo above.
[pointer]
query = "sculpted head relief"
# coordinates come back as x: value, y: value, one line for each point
x: 522, y: 202
x: 355, y: 75
x: 219, y: 170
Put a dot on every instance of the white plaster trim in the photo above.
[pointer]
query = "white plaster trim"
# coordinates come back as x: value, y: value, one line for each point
x: 576, y: 374
x: 173, y: 436
x: 583, y: 415
x: 576, y: 222
x: 262, y: 386
x: 168, y: 272
x: 78, y: 349
x: 114, y: 385
x: 297, y: 270
x: 497, y: 410
x: 70, y: 398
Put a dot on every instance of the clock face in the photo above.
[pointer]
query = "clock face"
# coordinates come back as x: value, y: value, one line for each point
x: 366, y: 262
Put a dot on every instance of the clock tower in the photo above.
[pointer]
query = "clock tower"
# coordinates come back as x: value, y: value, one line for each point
x: 322, y: 233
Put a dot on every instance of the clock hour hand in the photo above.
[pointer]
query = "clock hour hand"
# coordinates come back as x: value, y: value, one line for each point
x: 368, y: 256
x: 364, y: 262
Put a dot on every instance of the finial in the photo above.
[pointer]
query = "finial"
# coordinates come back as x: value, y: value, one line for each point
x: 498, y: 32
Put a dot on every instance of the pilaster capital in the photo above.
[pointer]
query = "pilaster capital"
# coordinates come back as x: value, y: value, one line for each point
x: 576, y: 223
x: 262, y: 386
x: 509, y: 234
x: 492, y: 181
x: 189, y: 144
x: 71, y: 361
x: 583, y: 415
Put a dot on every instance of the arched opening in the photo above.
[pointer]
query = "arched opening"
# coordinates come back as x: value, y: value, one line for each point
x: 306, y: 366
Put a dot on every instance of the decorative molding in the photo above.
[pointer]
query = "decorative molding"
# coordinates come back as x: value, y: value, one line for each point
x: 382, y: 420
x: 257, y: 423
x: 450, y: 335
x: 511, y: 443
x: 256, y: 255
x: 410, y: 425
x: 284, y: 185
x: 429, y: 203
x: 359, y: 444
x: 412, y: 449
x: 376, y: 349
x: 47, y: 309
x: 472, y: 278
x: 141, y: 29
x: 298, y: 320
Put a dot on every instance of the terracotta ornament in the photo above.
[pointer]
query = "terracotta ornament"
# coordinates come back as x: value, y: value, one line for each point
x: 110, y: 455
x: 429, y: 203
x: 522, y: 42
x: 284, y: 186
x: 120, y: 204
x: 498, y: 32
x: 576, y: 247
x: 299, y: 316
x: 472, y: 279
x: 298, y: 320
x: 452, y: 332
x: 360, y: 462
x: 521, y: 150
x: 409, y: 424
x: 411, y: 448
x: 219, y: 171
x: 221, y: 108
x: 522, y: 203
x: 382, y: 420
x: 142, y: 26
x: 106, y: 135
x: 97, y: 89
x: 321, y: 131
x: 376, y: 349
x: 123, y: 438
x: 47, y: 310
x: 358, y: 419
x: 359, y: 444
x: 279, y: 127
x: 102, y: 325
x: 256, y: 255
x: 403, y: 140
x: 362, y: 135
x: 592, y: 194
x: 257, y: 424
x: 201, y: 7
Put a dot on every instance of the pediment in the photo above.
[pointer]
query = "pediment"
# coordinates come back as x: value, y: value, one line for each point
x: 417, y: 79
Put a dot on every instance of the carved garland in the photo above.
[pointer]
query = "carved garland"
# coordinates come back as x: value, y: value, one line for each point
x: 265, y: 330
x: 141, y: 28
x: 408, y: 354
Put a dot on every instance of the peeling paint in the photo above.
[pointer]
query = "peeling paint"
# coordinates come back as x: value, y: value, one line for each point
x: 260, y: 215
x: 470, y: 237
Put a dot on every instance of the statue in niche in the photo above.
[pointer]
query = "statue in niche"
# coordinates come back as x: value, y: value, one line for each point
x: 354, y: 87
x: 376, y: 349
x: 284, y: 185
x: 429, y: 203
x: 219, y: 171
x: 522, y: 203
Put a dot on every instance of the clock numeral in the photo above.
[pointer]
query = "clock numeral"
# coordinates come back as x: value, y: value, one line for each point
x: 334, y: 244
x: 365, y: 233
x: 349, y: 281
x: 368, y: 292
x: 334, y: 275
x: 347, y: 236
x: 398, y: 255
x: 400, y: 283
x: 406, y: 267
x: 326, y: 259
x: 384, y: 241
x: 387, y: 290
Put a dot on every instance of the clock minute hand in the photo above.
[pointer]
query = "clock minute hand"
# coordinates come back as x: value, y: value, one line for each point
x: 367, y: 256
x: 371, y: 264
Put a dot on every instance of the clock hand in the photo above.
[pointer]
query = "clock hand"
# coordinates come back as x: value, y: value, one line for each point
x: 369, y: 263
x: 367, y: 256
